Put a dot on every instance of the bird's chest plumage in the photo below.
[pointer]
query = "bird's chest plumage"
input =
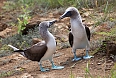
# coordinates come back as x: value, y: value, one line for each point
x: 79, y: 34
x: 51, y: 45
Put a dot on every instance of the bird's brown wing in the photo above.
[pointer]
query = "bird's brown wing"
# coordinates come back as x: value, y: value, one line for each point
x: 36, y: 52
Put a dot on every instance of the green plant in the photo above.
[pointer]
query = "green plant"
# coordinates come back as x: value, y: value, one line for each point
x: 112, y: 32
x: 113, y: 71
x: 21, y: 41
x: 7, y: 73
x: 15, y: 4
x: 4, y: 51
x: 56, y: 3
x: 9, y: 5
x: 106, y: 9
x: 87, y: 72
x: 23, y: 19
x: 71, y: 74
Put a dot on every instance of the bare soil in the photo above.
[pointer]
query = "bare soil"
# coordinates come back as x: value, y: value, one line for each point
x: 20, y: 67
x: 17, y: 66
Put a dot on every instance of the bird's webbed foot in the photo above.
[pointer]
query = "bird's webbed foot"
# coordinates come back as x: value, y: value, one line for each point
x: 76, y: 58
x: 87, y: 56
x: 57, y: 67
x: 43, y: 69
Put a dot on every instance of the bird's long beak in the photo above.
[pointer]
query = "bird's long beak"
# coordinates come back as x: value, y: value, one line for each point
x: 52, y: 22
x: 66, y: 14
x: 62, y: 16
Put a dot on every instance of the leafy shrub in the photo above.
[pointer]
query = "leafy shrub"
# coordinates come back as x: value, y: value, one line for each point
x: 55, y: 3
x: 23, y: 19
x: 22, y: 41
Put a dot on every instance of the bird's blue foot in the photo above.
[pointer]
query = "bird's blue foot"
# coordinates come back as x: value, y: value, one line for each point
x: 87, y: 57
x: 44, y: 70
x: 57, y: 67
x: 76, y: 59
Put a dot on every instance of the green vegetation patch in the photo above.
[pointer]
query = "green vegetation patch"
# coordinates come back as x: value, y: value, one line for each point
x: 112, y: 32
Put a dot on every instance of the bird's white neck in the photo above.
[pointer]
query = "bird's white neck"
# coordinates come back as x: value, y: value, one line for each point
x: 76, y: 24
x: 51, y: 40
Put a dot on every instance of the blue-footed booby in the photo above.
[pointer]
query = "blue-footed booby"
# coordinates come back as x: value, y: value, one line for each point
x: 79, y: 35
x: 43, y: 50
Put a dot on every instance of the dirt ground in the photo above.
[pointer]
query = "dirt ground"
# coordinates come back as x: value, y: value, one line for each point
x: 17, y: 66
x: 20, y: 67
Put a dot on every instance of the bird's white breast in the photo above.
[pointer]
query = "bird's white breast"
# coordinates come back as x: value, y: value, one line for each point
x: 79, y: 34
x: 51, y: 47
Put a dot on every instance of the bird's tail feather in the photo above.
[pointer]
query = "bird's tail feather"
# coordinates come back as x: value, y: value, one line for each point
x: 14, y: 48
x: 17, y: 50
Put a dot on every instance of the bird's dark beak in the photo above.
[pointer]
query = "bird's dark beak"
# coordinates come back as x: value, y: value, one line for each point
x: 66, y: 14
x: 52, y: 22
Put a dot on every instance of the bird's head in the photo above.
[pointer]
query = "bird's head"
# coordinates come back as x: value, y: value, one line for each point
x: 69, y: 12
x: 46, y: 24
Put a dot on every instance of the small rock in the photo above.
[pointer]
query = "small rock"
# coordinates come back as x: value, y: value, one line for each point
x: 98, y: 63
x: 26, y: 75
x: 58, y: 54
x: 92, y: 63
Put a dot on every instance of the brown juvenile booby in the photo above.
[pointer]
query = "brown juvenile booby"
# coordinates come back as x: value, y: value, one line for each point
x: 42, y: 50
x: 79, y: 35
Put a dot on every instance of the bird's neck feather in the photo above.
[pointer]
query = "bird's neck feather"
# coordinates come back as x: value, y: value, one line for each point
x: 47, y: 36
x: 76, y: 24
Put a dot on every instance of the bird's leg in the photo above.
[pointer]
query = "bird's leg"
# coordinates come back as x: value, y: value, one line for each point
x: 87, y: 56
x: 75, y: 56
x: 41, y: 68
x: 56, y: 67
